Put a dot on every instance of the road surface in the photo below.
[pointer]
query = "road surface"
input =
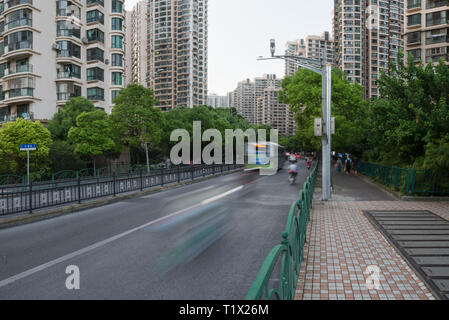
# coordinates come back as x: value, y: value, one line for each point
x: 207, y: 240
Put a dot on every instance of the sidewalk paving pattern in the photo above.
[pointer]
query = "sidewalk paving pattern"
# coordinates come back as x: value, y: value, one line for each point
x: 342, y: 243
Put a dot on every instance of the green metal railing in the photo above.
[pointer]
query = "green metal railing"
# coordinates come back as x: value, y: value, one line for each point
x: 410, y: 182
x: 285, y: 259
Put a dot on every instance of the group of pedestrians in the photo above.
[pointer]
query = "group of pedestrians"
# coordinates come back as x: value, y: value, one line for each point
x: 347, y: 164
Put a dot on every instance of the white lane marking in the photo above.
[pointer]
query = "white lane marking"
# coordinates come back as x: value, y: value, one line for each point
x: 94, y: 246
x: 191, y: 192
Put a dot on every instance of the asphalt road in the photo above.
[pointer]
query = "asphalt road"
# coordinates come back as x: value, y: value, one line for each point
x: 207, y: 240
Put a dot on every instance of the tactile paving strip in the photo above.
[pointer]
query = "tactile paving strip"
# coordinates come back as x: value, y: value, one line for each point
x: 423, y: 239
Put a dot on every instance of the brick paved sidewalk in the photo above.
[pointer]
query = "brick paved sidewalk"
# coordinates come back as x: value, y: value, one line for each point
x: 342, y: 243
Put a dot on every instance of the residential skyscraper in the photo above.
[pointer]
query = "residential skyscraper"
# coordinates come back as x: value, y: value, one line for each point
x: 136, y: 44
x: 177, y: 52
x: 427, y: 30
x: 312, y: 47
x: 257, y: 101
x: 51, y: 51
x: 216, y: 101
x: 367, y: 37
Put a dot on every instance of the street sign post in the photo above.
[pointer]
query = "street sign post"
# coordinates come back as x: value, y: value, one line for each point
x: 28, y: 148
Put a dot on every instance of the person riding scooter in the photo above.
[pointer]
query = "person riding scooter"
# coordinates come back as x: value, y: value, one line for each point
x: 293, y: 172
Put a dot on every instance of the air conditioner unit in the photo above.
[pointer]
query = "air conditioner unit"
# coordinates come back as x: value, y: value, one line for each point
x: 85, y: 40
x: 54, y: 46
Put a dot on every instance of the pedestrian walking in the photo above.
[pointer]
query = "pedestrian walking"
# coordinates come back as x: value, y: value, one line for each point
x: 338, y: 165
x: 348, y: 165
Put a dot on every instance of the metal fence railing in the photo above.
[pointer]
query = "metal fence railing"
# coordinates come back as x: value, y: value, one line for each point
x: 16, y: 199
x: 44, y: 177
x: 410, y: 182
x: 278, y: 277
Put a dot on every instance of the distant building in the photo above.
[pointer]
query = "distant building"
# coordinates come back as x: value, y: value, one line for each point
x: 257, y: 101
x: 427, y: 31
x: 136, y: 44
x: 312, y: 48
x: 216, y: 101
x: 368, y: 35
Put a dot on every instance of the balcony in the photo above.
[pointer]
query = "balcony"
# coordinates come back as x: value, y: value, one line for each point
x: 18, y: 23
x: 436, y: 3
x: 413, y: 4
x: 68, y: 75
x: 64, y: 96
x: 18, y: 95
x: 19, y: 69
x: 13, y: 3
x: 14, y: 117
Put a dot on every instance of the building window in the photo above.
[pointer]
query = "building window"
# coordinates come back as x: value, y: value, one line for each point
x: 95, y: 93
x: 19, y: 40
x: 100, y: 2
x: 117, y: 24
x: 117, y: 6
x: 414, y: 19
x: 117, y: 42
x: 68, y: 49
x: 117, y: 60
x: 18, y: 18
x: 95, y: 16
x: 67, y: 29
x: 117, y: 79
x: 95, y: 54
x: 94, y: 74
x: 114, y: 94
x: 95, y: 35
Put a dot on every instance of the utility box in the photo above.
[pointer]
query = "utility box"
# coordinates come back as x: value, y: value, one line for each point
x: 318, y: 127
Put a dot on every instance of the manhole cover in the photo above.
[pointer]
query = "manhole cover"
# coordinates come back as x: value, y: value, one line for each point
x: 423, y: 239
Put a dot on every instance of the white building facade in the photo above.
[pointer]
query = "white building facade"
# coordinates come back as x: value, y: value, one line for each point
x: 51, y: 51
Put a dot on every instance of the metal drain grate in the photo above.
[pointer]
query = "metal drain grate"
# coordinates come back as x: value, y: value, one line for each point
x: 423, y: 239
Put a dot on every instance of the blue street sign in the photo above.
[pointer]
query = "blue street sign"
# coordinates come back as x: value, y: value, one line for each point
x: 27, y: 147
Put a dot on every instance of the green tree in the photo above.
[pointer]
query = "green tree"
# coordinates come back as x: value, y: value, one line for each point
x: 409, y: 123
x: 12, y: 134
x: 134, y: 120
x: 63, y: 157
x: 64, y: 119
x: 92, y: 134
x: 303, y: 92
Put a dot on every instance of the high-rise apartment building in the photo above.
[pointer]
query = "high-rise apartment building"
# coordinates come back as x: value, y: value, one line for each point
x: 257, y: 101
x: 216, y: 101
x: 427, y: 30
x: 53, y: 50
x: 177, y: 52
x: 136, y: 44
x: 368, y: 35
x: 312, y: 47
x: 274, y: 113
x: 294, y: 48
x: 245, y: 100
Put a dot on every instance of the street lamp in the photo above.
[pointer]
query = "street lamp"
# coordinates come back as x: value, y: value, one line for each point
x: 323, y: 68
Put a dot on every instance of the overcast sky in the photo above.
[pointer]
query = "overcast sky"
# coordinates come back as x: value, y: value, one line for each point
x: 240, y: 31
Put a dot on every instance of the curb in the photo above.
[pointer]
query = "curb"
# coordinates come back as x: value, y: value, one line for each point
x: 56, y: 212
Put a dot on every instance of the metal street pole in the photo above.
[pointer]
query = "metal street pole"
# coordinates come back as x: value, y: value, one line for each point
x: 324, y: 139
x: 148, y: 158
x: 28, y: 167
x: 329, y: 128
x: 325, y: 70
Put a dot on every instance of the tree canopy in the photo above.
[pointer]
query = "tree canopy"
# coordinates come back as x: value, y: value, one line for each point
x: 303, y: 92
x: 64, y: 119
x: 12, y: 135
x: 409, y: 124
